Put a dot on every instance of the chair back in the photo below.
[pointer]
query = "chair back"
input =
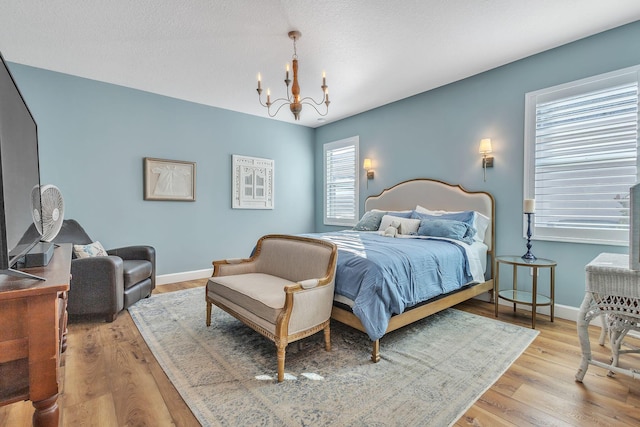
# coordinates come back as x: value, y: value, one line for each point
x: 72, y: 232
x: 295, y: 258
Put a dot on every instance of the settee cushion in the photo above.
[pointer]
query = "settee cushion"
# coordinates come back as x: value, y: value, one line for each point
x: 260, y: 294
x: 135, y: 271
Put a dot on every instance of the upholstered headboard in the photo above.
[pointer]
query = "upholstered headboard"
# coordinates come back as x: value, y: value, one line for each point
x: 436, y: 195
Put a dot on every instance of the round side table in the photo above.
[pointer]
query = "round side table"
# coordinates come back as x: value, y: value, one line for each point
x: 516, y: 296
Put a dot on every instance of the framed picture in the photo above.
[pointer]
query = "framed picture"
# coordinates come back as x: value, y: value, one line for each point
x: 169, y: 180
x: 252, y: 183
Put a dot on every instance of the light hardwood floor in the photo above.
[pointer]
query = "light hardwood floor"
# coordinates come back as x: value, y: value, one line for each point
x: 112, y: 379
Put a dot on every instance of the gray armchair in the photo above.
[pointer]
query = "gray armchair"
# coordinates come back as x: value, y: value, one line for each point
x: 106, y: 285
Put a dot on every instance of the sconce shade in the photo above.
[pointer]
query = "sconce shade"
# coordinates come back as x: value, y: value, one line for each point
x: 367, y: 164
x: 485, y: 146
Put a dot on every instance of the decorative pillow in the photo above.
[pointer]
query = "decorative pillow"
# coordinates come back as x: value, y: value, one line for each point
x: 448, y: 228
x: 480, y: 222
x: 465, y: 216
x: 370, y: 221
x: 90, y: 250
x: 407, y: 225
x: 401, y: 214
x: 422, y: 209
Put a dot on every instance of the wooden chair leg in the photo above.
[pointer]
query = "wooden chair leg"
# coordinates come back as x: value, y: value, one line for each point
x: 208, y: 313
x: 281, y: 353
x: 327, y: 338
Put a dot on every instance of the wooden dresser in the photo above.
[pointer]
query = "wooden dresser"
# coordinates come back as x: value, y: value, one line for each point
x: 32, y: 332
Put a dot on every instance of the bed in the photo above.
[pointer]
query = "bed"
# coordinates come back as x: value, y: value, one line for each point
x: 423, y: 195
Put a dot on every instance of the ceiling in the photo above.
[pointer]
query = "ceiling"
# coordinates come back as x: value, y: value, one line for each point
x: 373, y: 51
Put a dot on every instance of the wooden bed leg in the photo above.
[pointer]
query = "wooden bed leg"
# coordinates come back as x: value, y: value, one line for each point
x: 375, y: 352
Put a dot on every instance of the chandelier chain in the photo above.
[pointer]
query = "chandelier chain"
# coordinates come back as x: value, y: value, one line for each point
x: 295, y: 52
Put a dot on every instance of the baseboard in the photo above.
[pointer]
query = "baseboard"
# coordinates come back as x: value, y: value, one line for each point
x: 165, y: 279
x: 565, y: 312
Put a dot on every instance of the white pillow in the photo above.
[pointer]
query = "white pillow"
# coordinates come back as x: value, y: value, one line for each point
x: 407, y: 225
x: 424, y: 210
x: 90, y: 250
x: 480, y: 222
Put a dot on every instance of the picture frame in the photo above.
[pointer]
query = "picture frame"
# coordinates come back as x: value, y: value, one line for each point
x: 169, y: 180
x: 252, y: 182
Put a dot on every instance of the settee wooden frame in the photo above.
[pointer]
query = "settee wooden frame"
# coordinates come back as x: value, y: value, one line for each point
x: 281, y: 337
x: 435, y: 195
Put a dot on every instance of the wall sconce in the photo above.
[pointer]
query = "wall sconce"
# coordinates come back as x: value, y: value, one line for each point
x: 366, y: 165
x: 487, y: 162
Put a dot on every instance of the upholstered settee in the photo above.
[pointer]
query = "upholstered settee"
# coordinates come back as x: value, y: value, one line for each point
x: 105, y: 285
x: 284, y: 291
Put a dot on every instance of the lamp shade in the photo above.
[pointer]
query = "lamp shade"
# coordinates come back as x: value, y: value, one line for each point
x: 366, y: 164
x: 485, y: 146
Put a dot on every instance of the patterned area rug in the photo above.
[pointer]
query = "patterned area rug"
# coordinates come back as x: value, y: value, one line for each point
x: 431, y: 372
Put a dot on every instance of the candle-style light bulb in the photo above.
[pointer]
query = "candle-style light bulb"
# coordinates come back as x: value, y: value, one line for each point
x: 529, y: 206
x: 324, y: 78
x: 259, y: 78
x: 268, y: 96
x: 287, y: 75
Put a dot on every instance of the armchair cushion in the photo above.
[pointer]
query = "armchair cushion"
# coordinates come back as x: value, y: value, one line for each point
x: 135, y: 271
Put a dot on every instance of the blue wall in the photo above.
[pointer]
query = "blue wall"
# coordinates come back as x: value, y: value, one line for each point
x: 436, y: 134
x: 93, y: 137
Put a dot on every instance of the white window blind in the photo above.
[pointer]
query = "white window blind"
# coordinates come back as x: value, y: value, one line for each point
x: 341, y: 182
x: 585, y: 158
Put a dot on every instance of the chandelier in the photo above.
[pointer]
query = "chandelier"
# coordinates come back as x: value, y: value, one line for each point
x: 293, y: 98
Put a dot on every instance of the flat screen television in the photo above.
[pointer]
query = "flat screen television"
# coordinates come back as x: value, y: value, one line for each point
x: 19, y: 174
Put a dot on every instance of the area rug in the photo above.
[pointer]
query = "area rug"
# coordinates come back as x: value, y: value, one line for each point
x: 431, y: 372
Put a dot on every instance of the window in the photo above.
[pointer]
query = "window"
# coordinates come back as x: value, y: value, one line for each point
x: 581, y: 157
x: 341, y: 182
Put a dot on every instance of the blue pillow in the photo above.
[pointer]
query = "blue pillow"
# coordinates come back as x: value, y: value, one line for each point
x: 407, y: 214
x: 370, y: 221
x: 466, y: 217
x: 451, y: 229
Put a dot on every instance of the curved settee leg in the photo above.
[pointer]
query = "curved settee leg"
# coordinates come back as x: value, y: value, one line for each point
x: 281, y: 353
x: 327, y: 337
x: 208, y: 314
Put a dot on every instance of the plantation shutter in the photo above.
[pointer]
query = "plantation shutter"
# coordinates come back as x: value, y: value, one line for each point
x: 341, y: 182
x: 586, y: 160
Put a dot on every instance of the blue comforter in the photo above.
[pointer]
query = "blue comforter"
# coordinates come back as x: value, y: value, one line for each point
x: 384, y: 275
